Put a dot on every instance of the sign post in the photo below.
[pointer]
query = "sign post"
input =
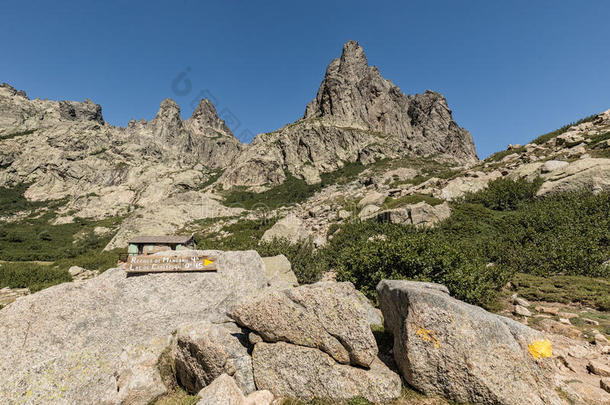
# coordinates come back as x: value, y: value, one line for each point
x: 170, y: 264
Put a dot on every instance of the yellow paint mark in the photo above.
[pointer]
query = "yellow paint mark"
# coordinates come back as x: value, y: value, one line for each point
x: 541, y: 348
x: 428, y: 335
x: 207, y: 262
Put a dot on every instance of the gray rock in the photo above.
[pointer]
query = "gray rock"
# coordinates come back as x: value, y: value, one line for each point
x: 87, y: 325
x: 306, y: 373
x: 138, y: 378
x: 357, y: 115
x: 223, y: 390
x: 279, y: 272
x: 598, y: 368
x: 521, y: 310
x: 446, y: 347
x: 263, y: 397
x: 372, y: 198
x: 203, y: 351
x: 551, y: 165
x: 289, y: 228
x: 421, y: 214
x: 584, y: 174
x: 368, y: 211
x: 328, y: 316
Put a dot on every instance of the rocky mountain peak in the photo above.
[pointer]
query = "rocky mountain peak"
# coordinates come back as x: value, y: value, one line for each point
x: 77, y: 111
x: 353, y: 61
x: 205, y: 120
x: 167, y: 124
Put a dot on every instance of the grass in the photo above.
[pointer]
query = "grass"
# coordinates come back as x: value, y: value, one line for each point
x: 27, y: 242
x: 17, y: 134
x: 496, y: 157
x: 30, y: 275
x: 291, y: 191
x: 410, y: 199
x: 548, y: 136
x: 594, y: 292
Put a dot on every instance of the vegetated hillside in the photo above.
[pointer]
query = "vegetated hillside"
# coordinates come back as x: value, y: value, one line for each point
x: 499, y: 230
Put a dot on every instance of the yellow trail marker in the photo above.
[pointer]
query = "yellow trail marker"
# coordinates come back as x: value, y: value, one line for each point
x: 207, y: 262
x: 541, y: 348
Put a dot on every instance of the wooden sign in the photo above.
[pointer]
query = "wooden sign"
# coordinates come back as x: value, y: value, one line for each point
x: 170, y: 264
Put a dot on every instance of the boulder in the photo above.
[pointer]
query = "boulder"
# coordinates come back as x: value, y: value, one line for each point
x: 279, y: 272
x: 290, y: 228
x: 203, y: 351
x: 459, y: 186
x: 446, y: 347
x: 223, y: 390
x: 372, y: 198
x: 367, y: 211
x: 262, y: 397
x: 420, y: 214
x: 87, y: 325
x: 327, y: 316
x: 307, y: 373
x: 590, y: 174
x: 551, y: 165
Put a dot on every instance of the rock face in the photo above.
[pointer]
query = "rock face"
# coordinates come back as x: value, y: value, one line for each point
x: 302, y: 372
x: 66, y: 150
x: 446, y: 347
x: 301, y: 316
x: 72, y: 353
x: 357, y: 115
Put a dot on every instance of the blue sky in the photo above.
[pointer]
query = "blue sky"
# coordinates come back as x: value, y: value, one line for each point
x: 509, y: 70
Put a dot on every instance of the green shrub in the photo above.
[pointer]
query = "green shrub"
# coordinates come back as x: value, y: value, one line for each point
x: 546, y: 137
x: 307, y: 264
x: 31, y: 275
x: 409, y: 253
x: 505, y: 194
x: 291, y: 191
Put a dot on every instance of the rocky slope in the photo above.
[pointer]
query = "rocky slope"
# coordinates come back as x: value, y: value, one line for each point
x: 158, y: 175
x: 357, y: 115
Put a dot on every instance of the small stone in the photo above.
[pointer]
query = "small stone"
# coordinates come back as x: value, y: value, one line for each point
x: 590, y: 321
x: 598, y: 368
x: 343, y: 214
x: 76, y: 270
x: 521, y: 310
x: 606, y: 350
x: 262, y: 397
x: 600, y: 339
x: 547, y: 310
x: 567, y: 315
x: 565, y: 321
x: 254, y: 338
x: 521, y: 301
x: 222, y: 390
x: 604, y: 384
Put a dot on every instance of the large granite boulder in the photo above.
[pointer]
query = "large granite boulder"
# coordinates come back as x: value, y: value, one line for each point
x: 203, y: 351
x: 223, y: 390
x: 446, y: 347
x: 306, y: 373
x: 327, y: 316
x: 279, y: 272
x: 289, y: 228
x: 63, y: 344
x: 592, y: 174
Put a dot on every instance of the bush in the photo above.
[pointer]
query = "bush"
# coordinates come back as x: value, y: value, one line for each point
x: 31, y: 275
x: 408, y: 253
x: 505, y: 194
x: 307, y: 264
